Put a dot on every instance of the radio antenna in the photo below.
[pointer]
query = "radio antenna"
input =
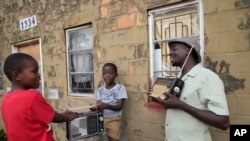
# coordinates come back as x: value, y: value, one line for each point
x: 179, y: 74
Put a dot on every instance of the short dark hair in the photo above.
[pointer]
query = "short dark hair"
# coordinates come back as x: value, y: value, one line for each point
x: 111, y: 65
x: 15, y: 62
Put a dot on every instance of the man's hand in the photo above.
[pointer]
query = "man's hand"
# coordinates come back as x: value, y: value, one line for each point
x: 170, y: 101
x: 150, y: 90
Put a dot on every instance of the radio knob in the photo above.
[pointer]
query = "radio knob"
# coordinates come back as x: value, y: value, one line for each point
x: 177, y: 89
x: 101, y: 118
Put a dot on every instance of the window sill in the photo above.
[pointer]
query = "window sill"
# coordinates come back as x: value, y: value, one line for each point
x: 81, y: 94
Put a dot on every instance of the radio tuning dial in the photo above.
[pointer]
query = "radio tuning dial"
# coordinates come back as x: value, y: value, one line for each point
x: 177, y: 89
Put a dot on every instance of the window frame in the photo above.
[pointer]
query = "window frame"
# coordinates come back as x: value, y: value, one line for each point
x: 151, y: 14
x: 70, y: 93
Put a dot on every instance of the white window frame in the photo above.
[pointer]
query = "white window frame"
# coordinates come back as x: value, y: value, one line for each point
x: 68, y: 64
x: 170, y: 8
x: 32, y: 41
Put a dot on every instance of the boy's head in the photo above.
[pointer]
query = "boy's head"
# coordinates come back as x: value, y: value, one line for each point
x: 22, y: 69
x: 109, y: 73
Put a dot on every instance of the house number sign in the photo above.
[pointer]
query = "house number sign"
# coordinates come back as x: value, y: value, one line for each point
x: 28, y: 22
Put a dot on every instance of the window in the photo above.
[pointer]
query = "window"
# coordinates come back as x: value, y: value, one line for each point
x: 184, y: 19
x: 80, y: 60
x: 1, y: 76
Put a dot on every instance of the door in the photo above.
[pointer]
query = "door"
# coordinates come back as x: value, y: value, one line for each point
x: 33, y: 49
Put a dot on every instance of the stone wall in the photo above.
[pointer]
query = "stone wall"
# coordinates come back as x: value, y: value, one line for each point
x: 120, y: 30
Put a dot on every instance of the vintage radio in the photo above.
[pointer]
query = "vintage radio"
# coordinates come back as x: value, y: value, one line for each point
x: 88, y: 124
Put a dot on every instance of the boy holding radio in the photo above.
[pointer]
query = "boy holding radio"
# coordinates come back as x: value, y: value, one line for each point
x: 110, y: 100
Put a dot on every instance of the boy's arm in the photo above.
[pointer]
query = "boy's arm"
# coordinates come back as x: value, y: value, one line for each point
x: 64, y: 117
x: 43, y: 112
x: 118, y: 107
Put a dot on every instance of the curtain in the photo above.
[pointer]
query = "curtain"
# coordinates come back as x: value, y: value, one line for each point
x: 81, y: 42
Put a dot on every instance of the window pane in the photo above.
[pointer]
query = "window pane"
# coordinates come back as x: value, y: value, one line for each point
x: 169, y: 24
x: 82, y: 83
x: 177, y: 23
x: 81, y: 39
x: 80, y: 53
x: 81, y: 61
